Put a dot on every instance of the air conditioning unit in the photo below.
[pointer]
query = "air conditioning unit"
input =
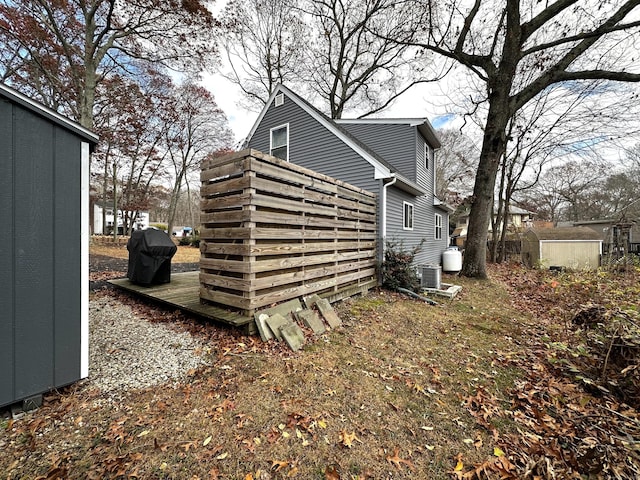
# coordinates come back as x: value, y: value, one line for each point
x: 431, y: 276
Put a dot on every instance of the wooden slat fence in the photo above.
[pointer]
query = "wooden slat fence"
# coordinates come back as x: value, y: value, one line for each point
x: 272, y: 231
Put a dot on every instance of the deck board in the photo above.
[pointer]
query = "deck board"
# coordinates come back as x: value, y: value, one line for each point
x: 183, y: 292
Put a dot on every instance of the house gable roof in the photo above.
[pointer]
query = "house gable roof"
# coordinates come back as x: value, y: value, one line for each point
x: 52, y: 115
x: 382, y: 168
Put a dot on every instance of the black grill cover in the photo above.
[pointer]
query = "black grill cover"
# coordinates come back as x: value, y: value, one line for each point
x: 150, y: 254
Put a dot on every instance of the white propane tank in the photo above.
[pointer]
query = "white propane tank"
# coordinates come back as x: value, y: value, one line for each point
x: 452, y: 260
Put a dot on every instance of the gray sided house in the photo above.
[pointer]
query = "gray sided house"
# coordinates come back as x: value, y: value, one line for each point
x: 393, y: 158
x: 44, y: 253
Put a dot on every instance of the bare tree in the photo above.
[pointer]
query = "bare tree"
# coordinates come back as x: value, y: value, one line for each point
x: 456, y: 166
x: 60, y: 51
x: 361, y: 58
x: 263, y: 43
x: 196, y: 128
x: 132, y: 130
x: 517, y: 49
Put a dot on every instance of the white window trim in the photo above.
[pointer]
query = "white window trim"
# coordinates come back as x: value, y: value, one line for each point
x: 437, y: 223
x: 426, y: 155
x: 271, y: 139
x: 404, y: 218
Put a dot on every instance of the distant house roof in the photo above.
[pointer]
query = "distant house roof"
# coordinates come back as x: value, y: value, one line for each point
x: 47, y: 113
x: 568, y: 233
x: 383, y: 169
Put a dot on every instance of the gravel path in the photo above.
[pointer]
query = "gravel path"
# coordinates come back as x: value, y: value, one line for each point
x: 130, y: 352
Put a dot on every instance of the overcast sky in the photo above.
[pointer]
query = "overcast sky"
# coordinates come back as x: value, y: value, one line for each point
x: 421, y: 101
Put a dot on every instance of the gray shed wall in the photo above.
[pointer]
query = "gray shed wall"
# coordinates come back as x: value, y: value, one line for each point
x: 40, y: 260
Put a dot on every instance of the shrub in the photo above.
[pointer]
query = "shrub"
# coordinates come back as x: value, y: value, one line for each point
x: 159, y: 226
x: 398, y: 270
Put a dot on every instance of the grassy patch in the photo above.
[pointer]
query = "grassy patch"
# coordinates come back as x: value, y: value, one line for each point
x: 185, y: 254
x: 381, y: 397
x: 401, y: 390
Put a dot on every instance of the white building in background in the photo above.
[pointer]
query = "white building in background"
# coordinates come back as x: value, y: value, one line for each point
x: 140, y: 222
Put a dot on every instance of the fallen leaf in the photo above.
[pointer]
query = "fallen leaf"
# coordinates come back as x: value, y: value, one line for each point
x: 397, y: 461
x: 331, y: 473
x: 459, y: 465
x: 222, y: 456
x: 279, y: 465
x: 497, y: 452
x: 207, y: 440
x: 347, y: 438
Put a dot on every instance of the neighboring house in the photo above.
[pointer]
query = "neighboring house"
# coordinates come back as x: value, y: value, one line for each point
x: 573, y: 247
x: 140, y: 220
x: 393, y: 158
x: 615, y: 232
x: 519, y: 220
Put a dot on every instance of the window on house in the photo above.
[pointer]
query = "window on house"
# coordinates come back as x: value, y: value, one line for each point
x: 438, y: 227
x: 280, y: 142
x: 428, y: 152
x: 407, y: 216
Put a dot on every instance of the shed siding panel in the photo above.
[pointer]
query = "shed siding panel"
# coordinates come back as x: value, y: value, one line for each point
x: 6, y: 254
x: 67, y: 248
x: 312, y: 146
x: 34, y: 303
x: 423, y: 226
x: 396, y: 143
x: 575, y: 254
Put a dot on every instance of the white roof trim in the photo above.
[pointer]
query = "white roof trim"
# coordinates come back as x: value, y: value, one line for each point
x: 47, y: 112
x: 380, y: 170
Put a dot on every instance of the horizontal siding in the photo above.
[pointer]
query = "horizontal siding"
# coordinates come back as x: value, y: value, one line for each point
x: 312, y: 146
x: 396, y: 143
x: 423, y: 226
x: 424, y: 171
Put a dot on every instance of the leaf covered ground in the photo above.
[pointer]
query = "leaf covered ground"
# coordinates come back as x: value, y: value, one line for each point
x: 500, y: 382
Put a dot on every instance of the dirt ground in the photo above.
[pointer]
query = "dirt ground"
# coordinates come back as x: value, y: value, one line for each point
x: 106, y: 263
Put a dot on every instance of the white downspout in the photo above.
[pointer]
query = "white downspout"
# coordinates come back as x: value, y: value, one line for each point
x: 383, y: 214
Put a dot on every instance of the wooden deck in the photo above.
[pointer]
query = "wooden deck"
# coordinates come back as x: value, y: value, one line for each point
x: 183, y: 292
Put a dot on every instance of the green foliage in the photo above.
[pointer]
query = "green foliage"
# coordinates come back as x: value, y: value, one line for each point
x: 195, y: 241
x: 398, y: 270
x: 159, y: 226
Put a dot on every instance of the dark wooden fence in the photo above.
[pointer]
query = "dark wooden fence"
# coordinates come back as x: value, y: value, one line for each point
x: 272, y: 231
x: 512, y: 248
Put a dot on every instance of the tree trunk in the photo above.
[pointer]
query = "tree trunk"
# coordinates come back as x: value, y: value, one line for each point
x: 493, y: 147
x: 115, y: 202
x: 173, y: 204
